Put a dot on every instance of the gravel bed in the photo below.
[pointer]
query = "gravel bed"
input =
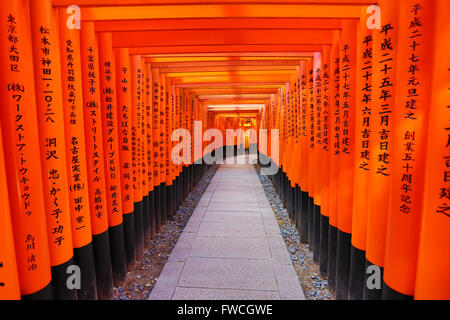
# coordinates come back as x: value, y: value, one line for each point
x: 140, y: 282
x: 315, y: 286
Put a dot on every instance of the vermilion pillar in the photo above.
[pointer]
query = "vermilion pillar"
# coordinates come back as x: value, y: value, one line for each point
x: 156, y: 140
x: 109, y: 118
x: 410, y: 131
x: 9, y: 278
x: 347, y: 154
x: 21, y: 144
x: 47, y: 75
x: 96, y: 162
x: 76, y: 161
x: 136, y: 110
x: 325, y: 162
x: 162, y: 147
x: 316, y: 127
x: 363, y: 118
x: 335, y: 110
x: 144, y: 151
x: 385, y: 46
x: 124, y: 122
x: 432, y: 276
x: 150, y: 148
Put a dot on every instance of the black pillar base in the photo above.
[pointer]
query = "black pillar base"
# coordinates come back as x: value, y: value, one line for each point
x: 323, y: 256
x: 129, y: 231
x: 139, y: 228
x: 391, y: 294
x: 118, y: 256
x: 59, y: 282
x: 332, y: 250
x: 372, y: 294
x: 356, y: 282
x: 46, y: 293
x: 84, y: 258
x: 316, y: 233
x: 146, y: 220
x: 343, y: 264
x: 151, y: 213
x: 163, y: 200
x: 103, y: 269
x: 311, y: 223
x: 304, y: 218
x: 298, y: 206
x: 157, y: 197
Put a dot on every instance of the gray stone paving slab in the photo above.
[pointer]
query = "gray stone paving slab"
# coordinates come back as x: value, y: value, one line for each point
x: 232, y: 229
x: 182, y: 293
x: 224, y: 216
x: 228, y: 274
x: 231, y: 248
x: 240, y: 206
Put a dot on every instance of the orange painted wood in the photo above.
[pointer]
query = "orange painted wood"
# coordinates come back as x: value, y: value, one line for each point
x: 124, y: 121
x: 9, y: 277
x: 216, y: 23
x: 72, y: 93
x: 432, y: 278
x: 46, y: 54
x: 21, y: 145
x: 149, y: 123
x: 363, y: 134
x: 136, y: 133
x: 298, y: 50
x: 383, y: 91
x: 273, y: 10
x: 335, y: 110
x: 110, y: 116
x: 409, y: 138
x: 93, y: 129
x: 220, y: 37
x: 326, y: 131
x: 347, y: 141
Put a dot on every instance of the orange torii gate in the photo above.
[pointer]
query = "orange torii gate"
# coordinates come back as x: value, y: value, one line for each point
x: 139, y: 69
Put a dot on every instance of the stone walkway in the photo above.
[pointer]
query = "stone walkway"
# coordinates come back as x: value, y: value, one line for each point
x: 231, y: 247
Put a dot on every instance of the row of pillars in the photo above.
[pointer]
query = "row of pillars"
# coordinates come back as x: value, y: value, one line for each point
x: 86, y: 176
x: 87, y: 180
x: 364, y: 154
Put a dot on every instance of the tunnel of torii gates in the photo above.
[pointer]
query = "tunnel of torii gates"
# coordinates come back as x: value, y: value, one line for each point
x: 90, y: 95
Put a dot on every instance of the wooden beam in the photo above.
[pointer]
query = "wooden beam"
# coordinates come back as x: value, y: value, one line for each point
x: 230, y: 74
x: 184, y: 11
x: 102, y: 3
x: 253, y: 79
x: 216, y: 23
x: 299, y: 50
x: 220, y: 37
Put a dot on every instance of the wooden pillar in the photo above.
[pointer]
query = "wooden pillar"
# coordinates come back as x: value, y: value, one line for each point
x: 385, y: 46
x: 335, y: 111
x: 21, y: 144
x: 47, y: 75
x: 432, y: 276
x: 95, y: 156
x: 9, y: 278
x: 76, y: 162
x: 136, y: 134
x: 363, y: 134
x: 124, y: 122
x: 409, y: 138
x: 109, y: 116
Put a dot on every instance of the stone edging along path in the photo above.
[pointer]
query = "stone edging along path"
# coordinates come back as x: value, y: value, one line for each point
x: 314, y: 285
